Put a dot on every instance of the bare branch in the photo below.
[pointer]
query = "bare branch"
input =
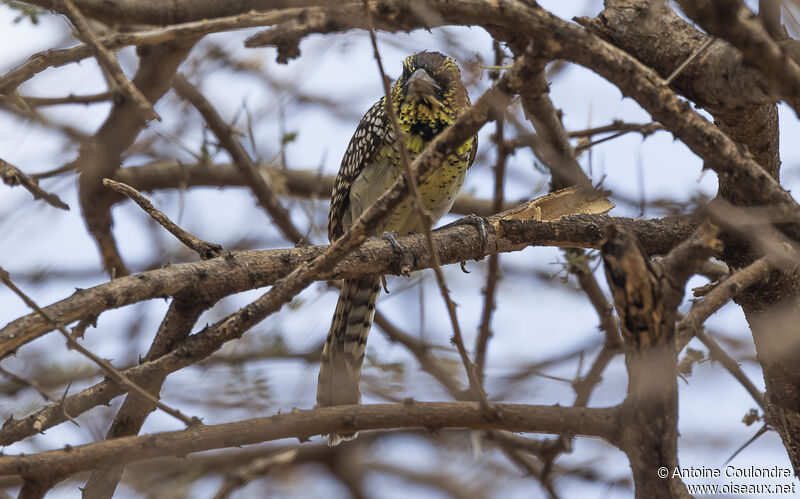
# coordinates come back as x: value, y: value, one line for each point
x: 107, y: 59
x: 205, y: 249
x: 12, y: 176
x: 303, y: 424
x: 235, y: 271
x: 733, y: 21
x: 179, y: 11
x: 692, y: 323
x: 297, y: 183
x: 104, y: 364
x: 493, y: 267
x: 264, y: 191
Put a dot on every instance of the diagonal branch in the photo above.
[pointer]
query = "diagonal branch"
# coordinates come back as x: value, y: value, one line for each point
x: 260, y: 184
x: 12, y: 176
x: 692, y: 323
x: 100, y: 155
x: 102, y: 363
x: 107, y: 60
x: 734, y: 22
x: 205, y: 249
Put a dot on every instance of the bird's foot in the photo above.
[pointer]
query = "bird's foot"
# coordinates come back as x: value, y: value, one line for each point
x: 404, y: 265
x: 480, y: 224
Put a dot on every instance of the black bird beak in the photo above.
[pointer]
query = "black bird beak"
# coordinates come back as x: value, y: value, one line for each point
x: 421, y: 83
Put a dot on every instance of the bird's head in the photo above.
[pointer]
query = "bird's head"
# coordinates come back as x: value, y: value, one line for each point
x: 430, y: 90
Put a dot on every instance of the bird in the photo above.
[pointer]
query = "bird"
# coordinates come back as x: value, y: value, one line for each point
x: 427, y: 97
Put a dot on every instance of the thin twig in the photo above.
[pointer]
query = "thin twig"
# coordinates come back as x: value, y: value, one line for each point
x: 71, y: 99
x: 615, y: 126
x: 692, y: 323
x: 257, y: 468
x: 719, y: 296
x: 425, y: 218
x: 717, y: 353
x: 645, y: 129
x: 12, y: 106
x: 493, y: 270
x: 107, y: 60
x: 63, y: 408
x: 260, y: 185
x: 27, y: 382
x: 13, y: 176
x: 694, y: 55
x: 430, y: 363
x: 104, y: 364
x: 653, y: 125
x: 205, y: 249
x: 604, y: 309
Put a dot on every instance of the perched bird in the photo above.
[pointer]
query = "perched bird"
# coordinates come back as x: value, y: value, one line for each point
x: 427, y: 97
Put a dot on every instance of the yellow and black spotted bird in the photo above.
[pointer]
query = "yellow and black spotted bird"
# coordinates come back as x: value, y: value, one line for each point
x: 427, y: 98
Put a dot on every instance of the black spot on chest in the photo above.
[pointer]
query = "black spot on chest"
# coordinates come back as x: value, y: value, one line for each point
x: 426, y: 129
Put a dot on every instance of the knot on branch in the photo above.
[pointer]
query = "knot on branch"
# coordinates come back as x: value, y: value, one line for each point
x: 647, y: 293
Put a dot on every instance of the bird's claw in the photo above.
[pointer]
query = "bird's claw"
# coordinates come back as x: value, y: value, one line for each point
x: 480, y: 225
x: 404, y: 267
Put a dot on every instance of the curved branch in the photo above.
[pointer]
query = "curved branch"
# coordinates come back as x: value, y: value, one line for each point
x: 557, y: 39
x: 734, y: 22
x: 655, y: 34
x: 157, y: 12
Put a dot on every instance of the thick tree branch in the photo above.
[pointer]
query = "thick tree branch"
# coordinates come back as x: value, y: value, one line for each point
x: 106, y: 59
x: 303, y: 424
x: 155, y: 12
x: 741, y: 99
x: 100, y: 154
x: 647, y: 295
x: 239, y: 271
x: 731, y: 20
x: 657, y: 36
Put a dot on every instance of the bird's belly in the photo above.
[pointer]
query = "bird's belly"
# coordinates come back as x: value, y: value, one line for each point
x: 438, y: 192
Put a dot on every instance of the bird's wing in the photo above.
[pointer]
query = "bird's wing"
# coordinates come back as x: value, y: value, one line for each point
x: 369, y: 136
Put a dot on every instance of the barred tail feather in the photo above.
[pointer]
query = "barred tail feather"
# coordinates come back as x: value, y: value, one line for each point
x: 340, y: 370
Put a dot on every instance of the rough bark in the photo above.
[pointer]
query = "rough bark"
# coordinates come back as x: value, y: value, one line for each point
x: 646, y: 295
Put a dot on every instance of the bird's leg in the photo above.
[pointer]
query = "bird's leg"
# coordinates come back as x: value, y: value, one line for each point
x: 404, y: 266
x: 480, y: 225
